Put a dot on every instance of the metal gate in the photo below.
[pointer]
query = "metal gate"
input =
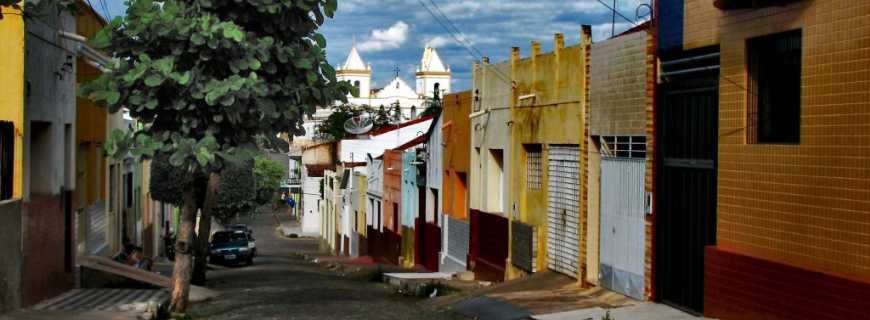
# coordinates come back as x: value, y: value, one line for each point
x: 563, y: 218
x: 623, y: 234
x: 686, y: 187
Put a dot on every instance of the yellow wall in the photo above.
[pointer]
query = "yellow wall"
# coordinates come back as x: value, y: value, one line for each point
x: 362, y: 188
x: 12, y: 88
x: 91, y: 131
x: 556, y: 115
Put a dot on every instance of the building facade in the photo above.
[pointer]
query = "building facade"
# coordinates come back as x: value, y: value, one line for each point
x: 548, y: 213
x: 490, y: 160
x: 456, y: 135
x: 620, y: 161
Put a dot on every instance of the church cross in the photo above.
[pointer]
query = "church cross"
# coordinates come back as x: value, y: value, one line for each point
x: 397, y: 71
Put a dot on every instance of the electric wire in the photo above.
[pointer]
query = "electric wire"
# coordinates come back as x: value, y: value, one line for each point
x: 461, y: 43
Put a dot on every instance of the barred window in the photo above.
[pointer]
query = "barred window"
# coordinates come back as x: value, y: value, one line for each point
x: 633, y: 147
x: 533, y: 166
x: 7, y: 141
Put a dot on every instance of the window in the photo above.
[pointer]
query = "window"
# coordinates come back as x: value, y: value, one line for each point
x: 533, y: 166
x: 633, y: 147
x: 356, y: 84
x: 113, y: 192
x: 413, y: 112
x: 774, y: 68
x: 7, y: 150
x: 437, y: 91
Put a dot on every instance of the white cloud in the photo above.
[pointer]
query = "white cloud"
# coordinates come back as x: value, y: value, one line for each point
x: 438, y: 41
x: 385, y: 39
x: 602, y: 31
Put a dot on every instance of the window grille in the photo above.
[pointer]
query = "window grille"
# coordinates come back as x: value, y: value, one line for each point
x: 533, y: 166
x: 7, y: 138
x: 629, y: 147
x: 774, y: 68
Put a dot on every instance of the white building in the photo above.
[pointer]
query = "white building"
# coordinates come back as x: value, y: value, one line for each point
x: 432, y: 76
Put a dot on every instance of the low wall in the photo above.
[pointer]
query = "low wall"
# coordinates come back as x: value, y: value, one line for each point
x: 10, y: 251
x: 454, y: 255
x: 738, y: 285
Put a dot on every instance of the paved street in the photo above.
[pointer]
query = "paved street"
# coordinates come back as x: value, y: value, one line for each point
x: 282, y: 286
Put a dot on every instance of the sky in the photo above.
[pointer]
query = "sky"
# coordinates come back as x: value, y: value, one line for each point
x: 393, y: 33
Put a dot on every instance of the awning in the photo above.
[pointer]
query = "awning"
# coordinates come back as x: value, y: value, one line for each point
x: 92, y: 56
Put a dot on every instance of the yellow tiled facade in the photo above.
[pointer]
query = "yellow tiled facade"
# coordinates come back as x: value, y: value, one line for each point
x: 805, y: 204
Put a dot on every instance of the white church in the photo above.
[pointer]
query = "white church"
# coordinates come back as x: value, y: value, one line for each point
x: 432, y: 76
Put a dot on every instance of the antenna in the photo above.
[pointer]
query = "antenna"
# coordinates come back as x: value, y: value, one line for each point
x: 359, y: 124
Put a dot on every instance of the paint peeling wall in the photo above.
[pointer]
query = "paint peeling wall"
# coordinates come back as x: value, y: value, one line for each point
x: 548, y: 108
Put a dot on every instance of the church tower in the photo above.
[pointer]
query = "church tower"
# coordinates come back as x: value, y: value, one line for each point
x: 356, y: 72
x: 432, y: 75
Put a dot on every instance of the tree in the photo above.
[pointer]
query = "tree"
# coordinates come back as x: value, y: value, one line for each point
x: 205, y: 78
x: 333, y: 126
x: 236, y: 193
x: 268, y: 175
x: 433, y: 106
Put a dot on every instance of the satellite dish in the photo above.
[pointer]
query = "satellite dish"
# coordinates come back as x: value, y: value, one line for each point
x: 359, y: 124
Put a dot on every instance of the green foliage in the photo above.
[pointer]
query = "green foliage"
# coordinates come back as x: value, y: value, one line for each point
x: 167, y: 181
x: 236, y: 192
x: 433, y: 107
x: 268, y: 174
x: 333, y: 126
x: 206, y: 77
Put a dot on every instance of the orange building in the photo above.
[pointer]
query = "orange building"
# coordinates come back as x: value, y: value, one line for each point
x: 91, y: 133
x: 456, y: 159
x: 773, y: 185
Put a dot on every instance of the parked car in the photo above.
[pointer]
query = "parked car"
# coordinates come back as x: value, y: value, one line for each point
x: 230, y: 247
x: 252, y: 243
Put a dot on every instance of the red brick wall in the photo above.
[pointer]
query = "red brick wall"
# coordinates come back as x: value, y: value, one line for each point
x: 43, y: 273
x: 743, y: 286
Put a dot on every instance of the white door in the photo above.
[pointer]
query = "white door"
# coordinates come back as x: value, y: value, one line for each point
x: 563, y: 216
x: 622, y: 225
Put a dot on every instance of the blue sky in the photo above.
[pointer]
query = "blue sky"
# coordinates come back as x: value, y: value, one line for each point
x: 392, y: 33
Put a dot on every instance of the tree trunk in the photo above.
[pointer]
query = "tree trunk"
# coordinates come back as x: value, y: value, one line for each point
x: 183, y: 244
x: 202, y: 248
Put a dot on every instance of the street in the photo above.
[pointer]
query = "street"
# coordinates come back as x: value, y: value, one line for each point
x: 281, y: 285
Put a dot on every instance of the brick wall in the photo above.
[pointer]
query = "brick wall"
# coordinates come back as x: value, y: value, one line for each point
x: 804, y: 204
x: 700, y: 19
x: 617, y: 86
x: 744, y: 286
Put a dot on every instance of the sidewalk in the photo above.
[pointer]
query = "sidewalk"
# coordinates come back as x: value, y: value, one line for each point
x: 551, y: 296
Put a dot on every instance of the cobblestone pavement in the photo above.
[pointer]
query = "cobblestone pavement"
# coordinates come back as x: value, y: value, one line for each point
x: 280, y: 285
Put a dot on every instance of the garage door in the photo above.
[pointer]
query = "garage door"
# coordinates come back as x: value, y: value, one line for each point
x: 622, y: 225
x: 563, y: 216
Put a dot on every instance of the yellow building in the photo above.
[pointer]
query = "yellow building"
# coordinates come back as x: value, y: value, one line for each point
x: 12, y: 102
x: 11, y: 155
x: 548, y: 144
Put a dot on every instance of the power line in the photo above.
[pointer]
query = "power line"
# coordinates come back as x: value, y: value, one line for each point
x: 461, y: 43
x: 106, y: 9
x: 633, y: 23
x: 450, y: 22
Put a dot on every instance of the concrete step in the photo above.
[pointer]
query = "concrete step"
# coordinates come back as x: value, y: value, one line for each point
x: 98, y: 304
x: 102, y: 264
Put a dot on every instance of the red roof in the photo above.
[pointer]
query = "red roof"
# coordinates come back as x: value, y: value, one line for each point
x: 401, y: 125
x: 409, y: 144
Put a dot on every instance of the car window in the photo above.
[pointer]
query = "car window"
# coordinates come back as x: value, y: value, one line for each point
x: 224, y: 237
